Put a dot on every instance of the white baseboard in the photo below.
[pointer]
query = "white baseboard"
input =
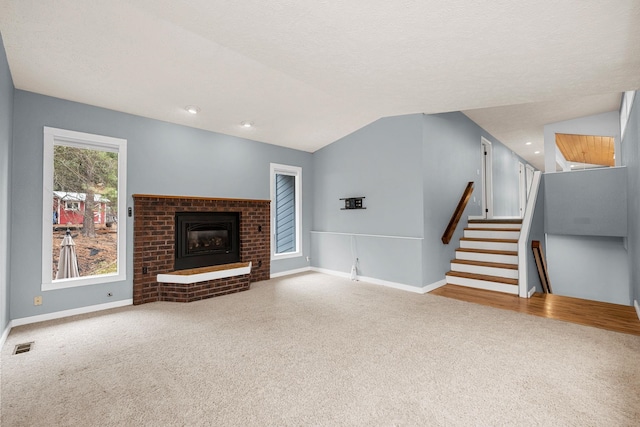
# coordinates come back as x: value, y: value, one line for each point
x: 434, y: 286
x: 289, y: 272
x: 72, y: 312
x: 635, y: 302
x: 374, y: 281
x: 531, y: 292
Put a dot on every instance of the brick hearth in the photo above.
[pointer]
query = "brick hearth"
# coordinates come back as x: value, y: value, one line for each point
x: 153, y: 246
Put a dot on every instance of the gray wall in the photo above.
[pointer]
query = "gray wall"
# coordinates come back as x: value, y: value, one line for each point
x: 6, y: 119
x: 587, y: 202
x: 412, y: 170
x: 630, y: 158
x: 451, y: 158
x: 381, y: 162
x: 505, y: 179
x: 589, y: 267
x: 605, y: 124
x: 163, y: 158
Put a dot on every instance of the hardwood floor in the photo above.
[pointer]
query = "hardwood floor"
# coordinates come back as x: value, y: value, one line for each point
x: 613, y: 317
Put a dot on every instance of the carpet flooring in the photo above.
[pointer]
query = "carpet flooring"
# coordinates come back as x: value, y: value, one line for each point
x: 313, y: 349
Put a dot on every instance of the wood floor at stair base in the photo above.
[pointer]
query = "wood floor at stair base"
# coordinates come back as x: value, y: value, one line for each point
x: 482, y: 284
x: 613, y: 317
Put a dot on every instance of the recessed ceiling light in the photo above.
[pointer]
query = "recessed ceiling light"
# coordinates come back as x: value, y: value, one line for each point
x: 536, y: 152
x: 193, y: 109
x: 246, y: 124
x: 528, y: 143
x: 573, y: 166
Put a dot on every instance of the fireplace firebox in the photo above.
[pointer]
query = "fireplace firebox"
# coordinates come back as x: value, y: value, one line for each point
x: 206, y: 238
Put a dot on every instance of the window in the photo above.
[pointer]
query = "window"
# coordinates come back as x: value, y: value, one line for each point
x: 286, y: 184
x: 84, y: 184
x: 72, y: 206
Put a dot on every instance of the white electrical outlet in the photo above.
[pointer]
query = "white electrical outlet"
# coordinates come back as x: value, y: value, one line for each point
x: 37, y: 300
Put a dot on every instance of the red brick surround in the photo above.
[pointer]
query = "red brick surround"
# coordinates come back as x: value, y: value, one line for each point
x: 153, y: 246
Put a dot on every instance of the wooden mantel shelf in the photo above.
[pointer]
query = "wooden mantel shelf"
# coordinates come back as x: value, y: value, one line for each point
x: 203, y: 274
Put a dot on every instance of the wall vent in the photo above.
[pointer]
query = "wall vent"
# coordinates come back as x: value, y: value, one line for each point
x: 23, y: 348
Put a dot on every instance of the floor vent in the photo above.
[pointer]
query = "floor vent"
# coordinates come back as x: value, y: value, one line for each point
x: 23, y: 348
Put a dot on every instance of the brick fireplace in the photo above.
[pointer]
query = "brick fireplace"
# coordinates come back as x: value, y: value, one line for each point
x: 153, y: 246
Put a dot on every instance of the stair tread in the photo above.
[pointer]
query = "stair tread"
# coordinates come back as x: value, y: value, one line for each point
x: 477, y: 239
x: 495, y: 221
x: 491, y: 229
x: 483, y: 277
x: 486, y: 264
x: 488, y: 251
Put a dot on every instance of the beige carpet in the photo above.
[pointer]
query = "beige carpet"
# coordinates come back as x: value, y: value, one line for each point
x: 318, y: 350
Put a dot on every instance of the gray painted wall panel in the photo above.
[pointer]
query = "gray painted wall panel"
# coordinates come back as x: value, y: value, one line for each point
x: 505, y: 181
x: 6, y: 125
x: 381, y: 162
x: 163, y: 158
x: 631, y: 158
x: 374, y: 255
x: 588, y: 203
x: 594, y: 268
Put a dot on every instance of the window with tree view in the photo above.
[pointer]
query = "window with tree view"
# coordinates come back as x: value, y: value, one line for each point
x: 83, y: 232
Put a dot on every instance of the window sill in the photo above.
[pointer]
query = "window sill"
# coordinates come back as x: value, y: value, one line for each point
x: 82, y: 281
x: 276, y: 257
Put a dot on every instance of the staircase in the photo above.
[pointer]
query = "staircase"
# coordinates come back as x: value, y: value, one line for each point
x: 488, y: 256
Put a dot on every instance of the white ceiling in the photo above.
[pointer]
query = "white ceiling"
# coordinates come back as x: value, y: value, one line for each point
x: 310, y: 72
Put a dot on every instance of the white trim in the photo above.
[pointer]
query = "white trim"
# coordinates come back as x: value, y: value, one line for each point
x: 522, y: 189
x: 524, y: 236
x: 289, y: 272
x: 72, y: 312
x: 296, y: 172
x: 187, y: 279
x: 434, y: 286
x: 5, y: 334
x: 560, y: 160
x: 487, y: 178
x: 529, y: 171
x: 531, y: 292
x: 367, y: 235
x: 374, y: 281
x: 476, y: 217
x: 635, y: 303
x: 52, y: 137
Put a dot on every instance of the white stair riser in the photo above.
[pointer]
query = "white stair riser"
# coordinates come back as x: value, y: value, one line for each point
x: 492, y: 246
x: 487, y: 271
x: 479, y: 256
x: 494, y: 225
x: 485, y: 234
x: 482, y: 284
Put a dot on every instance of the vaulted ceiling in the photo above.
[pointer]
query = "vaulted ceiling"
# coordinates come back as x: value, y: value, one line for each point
x: 307, y: 73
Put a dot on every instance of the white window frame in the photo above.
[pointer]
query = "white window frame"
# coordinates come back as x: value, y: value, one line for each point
x: 71, y: 205
x: 296, y: 172
x: 53, y: 137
